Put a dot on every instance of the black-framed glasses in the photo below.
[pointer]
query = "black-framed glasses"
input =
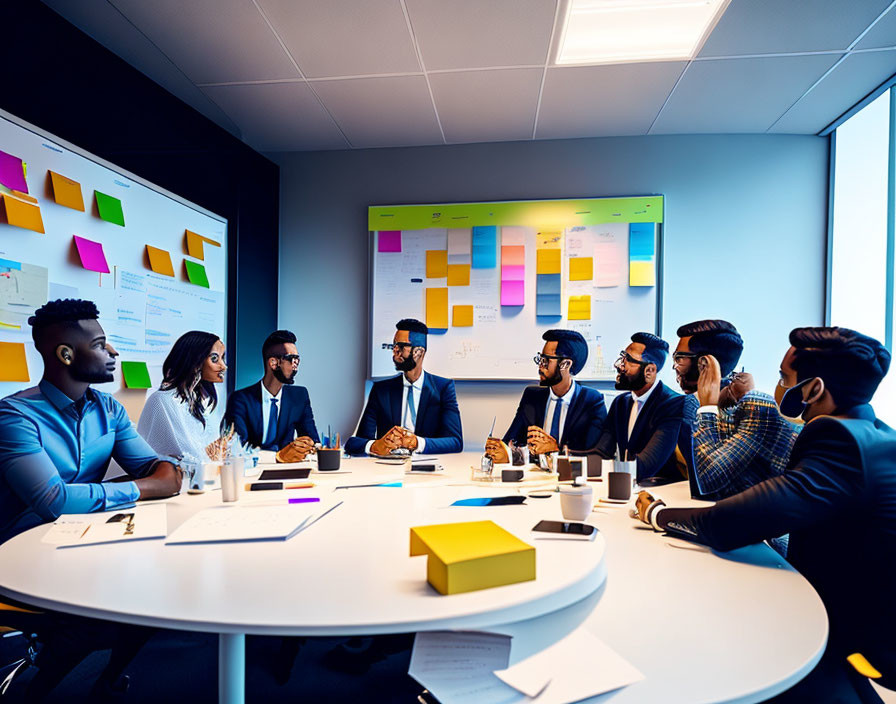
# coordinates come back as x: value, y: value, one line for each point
x: 626, y: 357
x: 396, y: 345
x: 290, y: 358
x: 679, y: 357
x: 542, y: 360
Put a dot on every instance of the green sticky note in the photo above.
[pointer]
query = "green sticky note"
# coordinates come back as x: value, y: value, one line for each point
x: 109, y: 208
x: 136, y: 375
x: 196, y: 273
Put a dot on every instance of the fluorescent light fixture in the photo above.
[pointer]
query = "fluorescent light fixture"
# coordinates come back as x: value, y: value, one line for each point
x: 621, y: 31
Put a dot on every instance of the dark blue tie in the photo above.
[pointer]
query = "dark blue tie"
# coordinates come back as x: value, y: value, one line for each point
x: 271, y: 435
x: 555, y: 421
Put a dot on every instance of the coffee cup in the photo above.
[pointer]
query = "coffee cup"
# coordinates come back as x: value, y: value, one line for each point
x: 512, y: 475
x: 576, y: 502
x: 232, y: 474
x: 328, y: 459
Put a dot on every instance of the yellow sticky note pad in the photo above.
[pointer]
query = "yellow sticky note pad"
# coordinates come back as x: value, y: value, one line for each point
x: 22, y: 211
x: 549, y: 239
x: 196, y: 242
x: 463, y: 317
x: 66, y: 191
x: 458, y: 274
x: 436, y: 263
x: 160, y: 261
x: 547, y: 261
x: 437, y: 308
x: 579, y: 308
x: 13, y: 365
x: 465, y: 557
x: 581, y: 268
x: 642, y: 273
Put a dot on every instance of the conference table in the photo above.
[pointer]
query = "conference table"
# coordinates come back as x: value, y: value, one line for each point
x: 700, y: 626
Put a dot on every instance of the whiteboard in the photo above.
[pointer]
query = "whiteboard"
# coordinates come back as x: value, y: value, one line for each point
x: 141, y: 312
x: 533, y: 273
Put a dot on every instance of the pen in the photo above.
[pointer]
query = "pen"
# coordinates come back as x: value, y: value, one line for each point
x: 276, y: 486
x: 364, y: 486
x: 492, y: 431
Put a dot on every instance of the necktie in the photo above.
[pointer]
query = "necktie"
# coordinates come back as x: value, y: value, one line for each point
x: 412, y: 409
x: 555, y: 421
x: 633, y: 417
x: 271, y: 435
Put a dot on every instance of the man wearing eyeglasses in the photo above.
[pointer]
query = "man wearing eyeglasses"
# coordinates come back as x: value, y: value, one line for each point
x: 415, y: 411
x: 644, y: 424
x: 274, y: 414
x: 558, y: 412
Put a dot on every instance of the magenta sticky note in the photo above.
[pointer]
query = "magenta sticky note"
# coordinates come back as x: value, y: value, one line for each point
x: 513, y: 273
x: 92, y: 255
x: 12, y: 173
x: 389, y: 241
x: 512, y: 293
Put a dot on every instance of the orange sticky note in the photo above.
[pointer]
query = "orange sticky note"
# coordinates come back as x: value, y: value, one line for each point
x: 513, y: 255
x: 21, y: 210
x: 458, y: 274
x: 195, y: 244
x: 436, y: 263
x: 581, y: 268
x: 66, y: 191
x: 13, y: 365
x: 160, y: 261
x: 463, y: 317
x: 437, y: 308
x: 547, y: 261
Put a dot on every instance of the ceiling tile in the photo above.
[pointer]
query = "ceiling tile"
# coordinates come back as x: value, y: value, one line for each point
x: 212, y: 41
x: 883, y: 33
x: 477, y: 34
x: 382, y: 112
x: 344, y: 37
x: 487, y: 106
x: 846, y: 85
x: 772, y: 26
x: 595, y: 101
x: 278, y: 116
x: 738, y: 95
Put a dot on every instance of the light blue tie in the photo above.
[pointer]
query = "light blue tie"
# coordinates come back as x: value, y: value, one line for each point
x: 412, y: 409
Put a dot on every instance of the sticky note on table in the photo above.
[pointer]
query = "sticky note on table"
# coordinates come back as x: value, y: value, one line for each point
x: 436, y: 263
x: 485, y: 245
x: 13, y: 364
x: 547, y: 261
x: 92, y: 255
x: 458, y: 274
x: 581, y: 268
x: 12, y: 172
x: 388, y: 241
x: 196, y: 273
x: 109, y: 208
x: 579, y: 308
x: 462, y: 317
x: 136, y: 375
x: 642, y: 273
x: 22, y: 211
x: 66, y: 191
x: 160, y: 261
x: 196, y: 244
x: 437, y: 308
x: 513, y: 293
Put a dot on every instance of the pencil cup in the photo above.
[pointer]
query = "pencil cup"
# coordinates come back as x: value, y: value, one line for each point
x: 328, y: 459
x: 196, y: 474
x: 232, y: 478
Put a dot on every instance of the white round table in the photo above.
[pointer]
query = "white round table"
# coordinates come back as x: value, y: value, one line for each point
x: 700, y: 626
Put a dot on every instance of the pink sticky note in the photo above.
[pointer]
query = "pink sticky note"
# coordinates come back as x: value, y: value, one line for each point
x: 12, y: 174
x: 389, y: 241
x: 512, y: 293
x: 513, y: 273
x: 92, y: 255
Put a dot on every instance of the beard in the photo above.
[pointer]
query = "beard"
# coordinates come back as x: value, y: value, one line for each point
x: 405, y: 365
x: 631, y: 383
x: 551, y: 380
x: 283, y: 379
x: 688, y: 381
x: 91, y: 375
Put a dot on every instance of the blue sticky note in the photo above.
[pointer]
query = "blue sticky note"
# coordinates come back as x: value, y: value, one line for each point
x: 641, y: 239
x: 485, y: 247
x: 548, y: 304
x: 547, y: 283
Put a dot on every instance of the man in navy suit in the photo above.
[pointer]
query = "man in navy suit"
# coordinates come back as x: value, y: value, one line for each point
x: 558, y: 412
x: 274, y: 414
x: 415, y: 410
x: 645, y: 424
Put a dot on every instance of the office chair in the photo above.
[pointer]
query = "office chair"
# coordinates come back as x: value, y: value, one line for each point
x: 12, y: 670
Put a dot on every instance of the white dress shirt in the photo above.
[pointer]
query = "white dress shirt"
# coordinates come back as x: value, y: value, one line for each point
x: 637, y: 404
x: 564, y: 402
x: 406, y: 421
x: 266, y: 397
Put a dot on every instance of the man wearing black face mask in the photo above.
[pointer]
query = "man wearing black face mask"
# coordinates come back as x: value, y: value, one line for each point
x: 273, y: 414
x: 837, y: 500
x: 644, y: 424
x: 740, y: 438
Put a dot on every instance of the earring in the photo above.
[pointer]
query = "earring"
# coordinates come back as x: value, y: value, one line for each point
x: 196, y: 379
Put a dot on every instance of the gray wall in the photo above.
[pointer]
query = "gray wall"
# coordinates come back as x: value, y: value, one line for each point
x: 744, y: 240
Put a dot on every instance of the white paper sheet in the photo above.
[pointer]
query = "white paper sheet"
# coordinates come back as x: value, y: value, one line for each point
x: 137, y: 523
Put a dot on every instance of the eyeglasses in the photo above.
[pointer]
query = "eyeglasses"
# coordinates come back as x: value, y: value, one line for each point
x: 393, y: 345
x: 289, y: 358
x: 542, y: 360
x: 679, y: 357
x: 626, y: 357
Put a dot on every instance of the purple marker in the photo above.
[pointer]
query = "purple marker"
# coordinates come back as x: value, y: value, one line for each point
x: 304, y: 500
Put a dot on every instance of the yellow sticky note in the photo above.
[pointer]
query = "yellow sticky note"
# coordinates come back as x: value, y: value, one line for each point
x: 160, y: 261
x: 642, y: 273
x: 579, y: 308
x: 547, y: 261
x: 436, y: 263
x: 463, y: 317
x: 13, y: 365
x: 22, y: 211
x: 581, y: 268
x: 66, y: 191
x: 195, y: 244
x: 458, y: 274
x: 437, y: 308
x: 549, y: 239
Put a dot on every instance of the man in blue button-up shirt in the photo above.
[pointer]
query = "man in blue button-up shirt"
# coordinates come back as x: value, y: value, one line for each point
x: 56, y: 439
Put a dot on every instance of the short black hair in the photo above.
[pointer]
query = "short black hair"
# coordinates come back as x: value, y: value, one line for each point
x: 570, y: 344
x: 417, y: 331
x: 63, y: 311
x: 716, y: 337
x: 275, y: 339
x: 851, y: 364
x: 655, y: 348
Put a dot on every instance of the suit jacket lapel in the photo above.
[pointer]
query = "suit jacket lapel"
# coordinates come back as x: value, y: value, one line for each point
x: 257, y: 417
x: 425, y: 395
x: 572, y: 415
x: 540, y: 406
x: 395, y: 400
x: 283, y: 414
x: 625, y: 411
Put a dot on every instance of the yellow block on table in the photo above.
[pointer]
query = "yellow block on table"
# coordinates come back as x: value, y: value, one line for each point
x: 465, y: 557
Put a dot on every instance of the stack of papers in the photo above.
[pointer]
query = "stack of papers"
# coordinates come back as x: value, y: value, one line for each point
x: 137, y: 523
